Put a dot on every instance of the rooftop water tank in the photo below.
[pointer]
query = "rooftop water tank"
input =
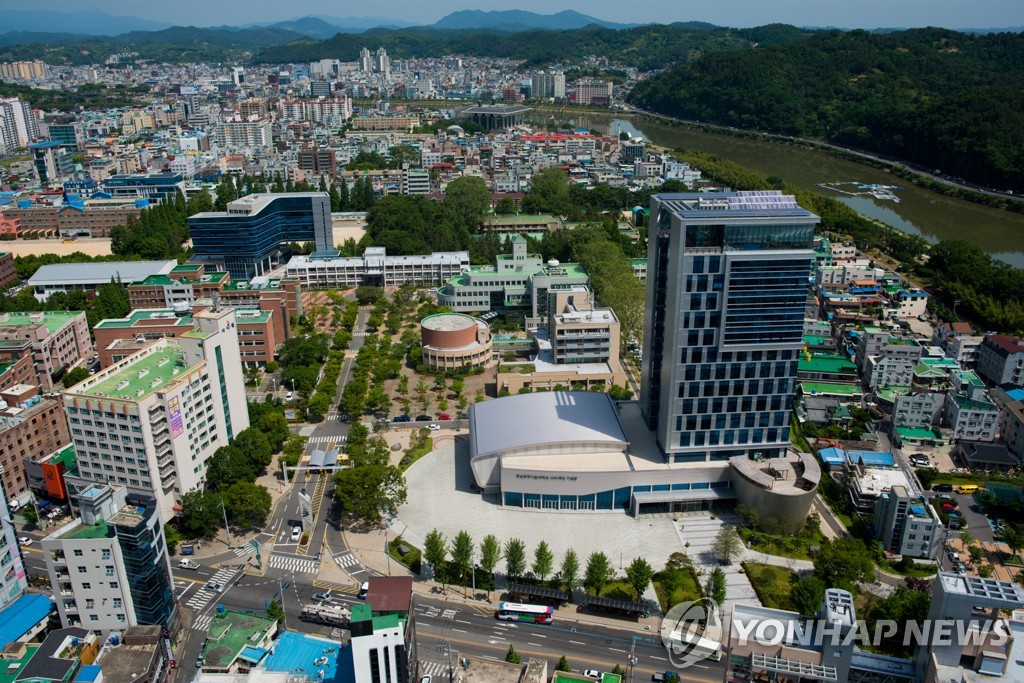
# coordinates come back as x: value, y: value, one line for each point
x: 553, y: 263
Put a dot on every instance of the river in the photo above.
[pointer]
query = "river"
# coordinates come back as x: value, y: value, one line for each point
x: 920, y: 212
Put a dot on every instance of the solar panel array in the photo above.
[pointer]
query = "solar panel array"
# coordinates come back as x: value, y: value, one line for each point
x: 762, y: 200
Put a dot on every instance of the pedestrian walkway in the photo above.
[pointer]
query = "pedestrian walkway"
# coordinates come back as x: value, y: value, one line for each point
x: 698, y: 531
x: 202, y: 624
x: 204, y: 595
x: 434, y: 669
x: 244, y: 550
x: 301, y: 565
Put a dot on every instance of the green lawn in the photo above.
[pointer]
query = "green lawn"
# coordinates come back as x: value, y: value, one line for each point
x: 917, y: 571
x: 687, y: 590
x: 773, y: 585
x: 795, y: 547
x: 10, y: 161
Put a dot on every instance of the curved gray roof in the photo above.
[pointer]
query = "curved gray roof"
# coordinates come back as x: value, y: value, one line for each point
x: 543, y: 418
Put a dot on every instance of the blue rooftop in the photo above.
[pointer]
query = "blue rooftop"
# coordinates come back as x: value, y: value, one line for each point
x: 22, y: 615
x: 88, y: 673
x: 872, y: 458
x: 832, y: 455
x: 1016, y: 394
x: 298, y: 654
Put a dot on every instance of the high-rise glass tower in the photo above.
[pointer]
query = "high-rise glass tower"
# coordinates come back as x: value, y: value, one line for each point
x: 727, y: 283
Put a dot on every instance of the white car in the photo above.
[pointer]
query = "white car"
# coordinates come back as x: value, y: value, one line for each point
x: 24, y: 540
x: 289, y: 396
x: 215, y: 587
x: 188, y: 564
x: 296, y: 533
x: 434, y: 427
x: 592, y: 673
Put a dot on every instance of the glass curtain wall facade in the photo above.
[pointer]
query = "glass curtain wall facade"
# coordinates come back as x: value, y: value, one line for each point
x: 251, y: 244
x: 144, y: 552
x: 728, y: 275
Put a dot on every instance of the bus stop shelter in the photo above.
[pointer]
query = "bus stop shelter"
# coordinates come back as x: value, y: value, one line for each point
x: 537, y: 594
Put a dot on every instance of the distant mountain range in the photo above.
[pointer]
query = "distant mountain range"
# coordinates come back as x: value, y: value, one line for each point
x: 89, y: 23
x: 520, y: 20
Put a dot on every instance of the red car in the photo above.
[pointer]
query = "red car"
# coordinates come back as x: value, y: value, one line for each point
x: 444, y: 416
x: 946, y: 507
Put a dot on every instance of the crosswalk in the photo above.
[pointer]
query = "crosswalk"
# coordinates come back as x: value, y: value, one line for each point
x: 301, y: 565
x: 204, y: 595
x: 243, y: 550
x: 203, y: 623
x: 327, y: 439
x: 438, y: 669
x: 346, y: 559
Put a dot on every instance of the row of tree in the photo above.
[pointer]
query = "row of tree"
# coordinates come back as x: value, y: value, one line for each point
x: 454, y: 561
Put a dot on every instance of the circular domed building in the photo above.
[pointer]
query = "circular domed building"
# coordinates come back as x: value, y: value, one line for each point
x: 453, y: 340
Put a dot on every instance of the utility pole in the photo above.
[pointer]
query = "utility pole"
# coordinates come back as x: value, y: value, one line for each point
x: 227, y: 531
x: 473, y: 561
x: 280, y: 591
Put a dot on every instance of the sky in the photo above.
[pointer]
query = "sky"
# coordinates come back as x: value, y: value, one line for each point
x: 736, y: 13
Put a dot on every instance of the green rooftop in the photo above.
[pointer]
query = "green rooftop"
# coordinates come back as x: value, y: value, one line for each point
x: 167, y: 280
x: 54, y: 320
x: 361, y: 612
x: 827, y: 388
x: 901, y: 341
x: 827, y: 363
x: 890, y: 394
x: 140, y: 378
x: 12, y: 667
x: 251, y: 315
x: 605, y: 678
x: 966, y: 377
x: 86, y: 531
x: 517, y: 219
x: 230, y: 632
x: 919, y: 433
x: 187, y: 268
x: 142, y: 314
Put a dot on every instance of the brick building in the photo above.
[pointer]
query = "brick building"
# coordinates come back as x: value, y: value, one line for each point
x: 30, y: 425
x: 57, y: 339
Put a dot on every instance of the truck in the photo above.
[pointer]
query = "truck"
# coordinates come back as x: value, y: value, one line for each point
x: 329, y: 615
x: 188, y: 564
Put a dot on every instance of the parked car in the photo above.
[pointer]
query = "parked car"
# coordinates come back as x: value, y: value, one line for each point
x: 403, y: 418
x: 943, y: 488
x: 296, y: 533
x: 423, y: 418
x: 289, y: 396
x: 188, y: 564
x: 434, y: 427
x: 955, y: 513
x: 444, y: 416
x: 948, y: 507
x: 592, y: 673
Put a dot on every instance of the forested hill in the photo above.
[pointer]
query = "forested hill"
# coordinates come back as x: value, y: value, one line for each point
x: 647, y: 47
x: 947, y: 100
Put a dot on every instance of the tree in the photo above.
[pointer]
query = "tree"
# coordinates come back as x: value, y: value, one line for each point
x: 807, y: 595
x: 598, y: 573
x: 172, y: 537
x: 543, y: 561
x: 200, y: 513
x: 716, y: 586
x: 462, y: 554
x: 563, y: 664
x: 75, y: 375
x: 490, y: 553
x: 247, y: 504
x: 228, y: 464
x: 569, y: 574
x: 843, y: 562
x: 274, y: 611
x: 370, y: 492
x: 639, y: 574
x: 512, y: 657
x: 255, y: 446
x: 727, y: 544
x: 368, y: 295
x: 1013, y: 537
x: 466, y: 201
x: 976, y: 554
x: 435, y: 552
x: 29, y: 513
x: 505, y: 205
x: 515, y: 558
x: 549, y: 193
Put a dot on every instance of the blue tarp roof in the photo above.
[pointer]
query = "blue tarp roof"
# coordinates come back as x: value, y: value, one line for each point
x: 88, y: 673
x: 872, y: 458
x: 22, y: 615
x: 832, y: 455
x: 1016, y: 394
x: 252, y: 654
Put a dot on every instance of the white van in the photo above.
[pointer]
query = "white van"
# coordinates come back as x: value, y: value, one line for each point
x: 188, y: 564
x: 363, y: 590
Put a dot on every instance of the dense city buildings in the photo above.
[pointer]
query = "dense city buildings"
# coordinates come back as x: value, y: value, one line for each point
x: 251, y: 238
x: 152, y: 421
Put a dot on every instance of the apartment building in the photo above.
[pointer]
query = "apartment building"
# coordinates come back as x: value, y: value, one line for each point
x: 8, y: 271
x: 1001, y: 360
x: 30, y: 425
x: 375, y: 267
x: 973, y: 419
x: 244, y: 134
x: 24, y: 71
x: 321, y: 111
x: 58, y: 339
x: 110, y: 568
x: 920, y: 409
x: 593, y: 92
x: 906, y: 524
x: 152, y: 421
x: 548, y: 84
x: 13, y: 578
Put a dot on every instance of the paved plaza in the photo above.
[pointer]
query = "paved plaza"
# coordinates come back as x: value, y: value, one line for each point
x: 441, y: 496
